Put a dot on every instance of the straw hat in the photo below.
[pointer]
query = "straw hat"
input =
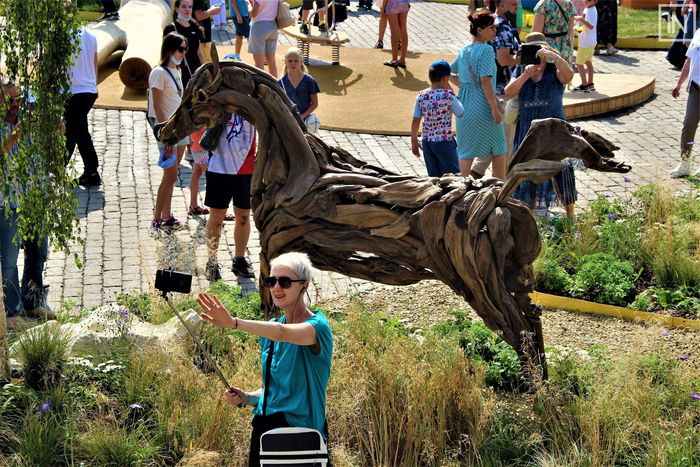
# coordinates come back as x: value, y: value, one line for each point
x: 537, y: 38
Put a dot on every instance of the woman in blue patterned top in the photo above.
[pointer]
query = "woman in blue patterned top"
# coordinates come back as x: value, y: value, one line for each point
x: 480, y: 132
x: 301, y: 88
x: 541, y: 90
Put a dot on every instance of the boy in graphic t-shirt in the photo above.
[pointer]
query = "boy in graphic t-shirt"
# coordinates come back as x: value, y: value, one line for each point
x: 587, y: 40
x: 436, y: 106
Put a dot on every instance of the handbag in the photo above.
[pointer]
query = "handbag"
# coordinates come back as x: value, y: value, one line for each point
x: 499, y: 102
x: 284, y: 16
x: 312, y: 123
x: 510, y: 116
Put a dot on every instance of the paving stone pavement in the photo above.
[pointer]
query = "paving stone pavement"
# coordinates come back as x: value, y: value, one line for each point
x: 119, y: 254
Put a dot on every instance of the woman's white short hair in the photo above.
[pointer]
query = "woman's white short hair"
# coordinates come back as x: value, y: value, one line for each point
x: 297, y: 262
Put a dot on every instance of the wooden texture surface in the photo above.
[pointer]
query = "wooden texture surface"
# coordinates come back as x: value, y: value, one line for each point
x: 363, y: 221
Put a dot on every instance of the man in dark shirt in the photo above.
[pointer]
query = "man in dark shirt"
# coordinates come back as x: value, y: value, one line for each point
x: 506, y: 45
x: 203, y: 13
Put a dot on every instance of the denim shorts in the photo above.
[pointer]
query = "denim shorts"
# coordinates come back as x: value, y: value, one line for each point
x: 243, y: 29
x: 263, y: 38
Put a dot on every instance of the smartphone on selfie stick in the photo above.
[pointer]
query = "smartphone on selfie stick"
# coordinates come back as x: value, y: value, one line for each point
x: 168, y: 280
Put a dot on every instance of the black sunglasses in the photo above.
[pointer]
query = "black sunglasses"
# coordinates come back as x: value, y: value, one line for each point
x: 285, y: 282
x: 182, y: 50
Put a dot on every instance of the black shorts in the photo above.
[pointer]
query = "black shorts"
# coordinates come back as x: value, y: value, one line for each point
x: 309, y: 4
x: 222, y: 188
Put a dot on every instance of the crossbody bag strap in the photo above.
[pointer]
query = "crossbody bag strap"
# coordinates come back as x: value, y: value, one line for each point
x: 179, y: 91
x: 267, y: 374
x: 562, y: 11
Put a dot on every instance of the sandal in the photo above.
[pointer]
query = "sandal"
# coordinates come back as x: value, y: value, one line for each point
x: 392, y: 63
x: 197, y: 210
x: 229, y: 217
x: 590, y: 87
x: 580, y: 87
x: 401, y: 63
x: 380, y: 45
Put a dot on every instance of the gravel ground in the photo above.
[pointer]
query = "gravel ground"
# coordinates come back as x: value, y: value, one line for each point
x: 425, y: 304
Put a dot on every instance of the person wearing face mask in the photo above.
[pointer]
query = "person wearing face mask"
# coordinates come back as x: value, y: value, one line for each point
x: 295, y: 354
x: 188, y: 27
x: 506, y: 44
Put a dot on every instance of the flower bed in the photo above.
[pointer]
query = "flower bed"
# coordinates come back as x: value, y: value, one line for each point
x: 642, y: 253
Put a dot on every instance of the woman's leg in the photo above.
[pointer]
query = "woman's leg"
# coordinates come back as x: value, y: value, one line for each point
x: 498, y: 166
x: 259, y: 61
x: 465, y: 165
x: 404, y: 35
x: 271, y: 64
x: 382, y: 27
x: 197, y: 172
x: 395, y: 29
x: 165, y: 190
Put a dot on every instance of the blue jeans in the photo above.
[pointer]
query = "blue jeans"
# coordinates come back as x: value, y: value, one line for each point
x: 440, y: 157
x: 35, y: 253
x: 9, y: 252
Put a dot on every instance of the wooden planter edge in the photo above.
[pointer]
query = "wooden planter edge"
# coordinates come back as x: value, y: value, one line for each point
x: 582, y: 306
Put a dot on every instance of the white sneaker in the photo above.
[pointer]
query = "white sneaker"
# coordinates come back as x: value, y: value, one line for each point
x: 683, y: 170
x: 697, y: 173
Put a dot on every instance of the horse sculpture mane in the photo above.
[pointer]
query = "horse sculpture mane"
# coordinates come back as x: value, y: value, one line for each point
x: 366, y: 222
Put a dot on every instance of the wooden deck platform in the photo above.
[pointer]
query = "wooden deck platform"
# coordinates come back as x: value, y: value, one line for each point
x: 613, y: 92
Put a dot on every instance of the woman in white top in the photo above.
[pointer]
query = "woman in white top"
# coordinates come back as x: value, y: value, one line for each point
x: 165, y: 83
x: 262, y: 42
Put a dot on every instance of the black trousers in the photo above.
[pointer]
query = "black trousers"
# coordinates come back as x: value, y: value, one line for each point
x: 77, y: 133
x: 109, y: 6
x: 261, y: 425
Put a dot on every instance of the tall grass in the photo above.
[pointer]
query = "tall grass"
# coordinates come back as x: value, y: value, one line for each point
x: 396, y: 401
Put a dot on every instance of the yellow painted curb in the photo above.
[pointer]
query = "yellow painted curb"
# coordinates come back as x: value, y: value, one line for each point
x: 554, y: 301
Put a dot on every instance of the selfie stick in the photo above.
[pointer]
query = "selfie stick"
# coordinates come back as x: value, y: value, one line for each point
x: 201, y: 347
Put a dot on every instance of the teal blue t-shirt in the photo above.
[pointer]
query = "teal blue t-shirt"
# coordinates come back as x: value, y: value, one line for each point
x: 298, y: 378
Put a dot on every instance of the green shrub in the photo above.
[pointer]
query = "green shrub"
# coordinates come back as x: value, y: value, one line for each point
x: 553, y: 278
x: 43, y: 352
x: 605, y: 278
x: 40, y: 439
x: 483, y: 345
x: 110, y: 445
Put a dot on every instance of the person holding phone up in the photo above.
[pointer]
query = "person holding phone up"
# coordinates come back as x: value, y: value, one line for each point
x: 541, y: 89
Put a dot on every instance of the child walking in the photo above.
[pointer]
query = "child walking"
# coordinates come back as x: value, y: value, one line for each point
x: 587, y: 41
x: 240, y: 13
x: 436, y: 106
x: 301, y: 88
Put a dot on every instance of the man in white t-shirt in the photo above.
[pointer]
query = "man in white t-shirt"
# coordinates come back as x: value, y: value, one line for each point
x: 229, y: 175
x: 691, y: 69
x: 83, y: 95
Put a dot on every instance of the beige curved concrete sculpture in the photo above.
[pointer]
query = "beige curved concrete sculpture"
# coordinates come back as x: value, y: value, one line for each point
x: 139, y: 33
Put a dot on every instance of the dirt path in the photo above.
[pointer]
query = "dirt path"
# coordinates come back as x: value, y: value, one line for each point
x: 423, y: 305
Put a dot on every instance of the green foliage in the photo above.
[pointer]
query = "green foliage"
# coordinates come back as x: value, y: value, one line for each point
x: 605, y: 278
x: 137, y: 303
x: 684, y: 299
x: 111, y: 445
x: 43, y: 351
x: 37, y: 55
x: 553, y: 278
x: 484, y: 346
x: 658, y: 369
x: 40, y: 440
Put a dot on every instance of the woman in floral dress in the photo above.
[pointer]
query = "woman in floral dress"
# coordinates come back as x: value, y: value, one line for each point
x: 555, y: 19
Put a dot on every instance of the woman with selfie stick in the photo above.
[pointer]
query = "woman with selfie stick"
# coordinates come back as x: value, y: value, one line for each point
x: 296, y: 353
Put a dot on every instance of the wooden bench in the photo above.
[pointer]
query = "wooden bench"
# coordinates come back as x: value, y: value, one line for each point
x: 333, y: 38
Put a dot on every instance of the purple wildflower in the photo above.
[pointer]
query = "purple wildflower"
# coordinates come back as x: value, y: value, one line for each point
x: 627, y: 180
x: 578, y: 235
x: 61, y: 404
x: 666, y: 333
x: 119, y: 323
x: 45, y: 407
x: 695, y: 396
x: 611, y: 216
x: 690, y: 142
x: 135, y: 406
x: 553, y: 232
x: 607, y: 196
x: 684, y: 357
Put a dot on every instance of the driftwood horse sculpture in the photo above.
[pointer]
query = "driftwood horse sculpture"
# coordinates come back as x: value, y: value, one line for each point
x: 366, y: 222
